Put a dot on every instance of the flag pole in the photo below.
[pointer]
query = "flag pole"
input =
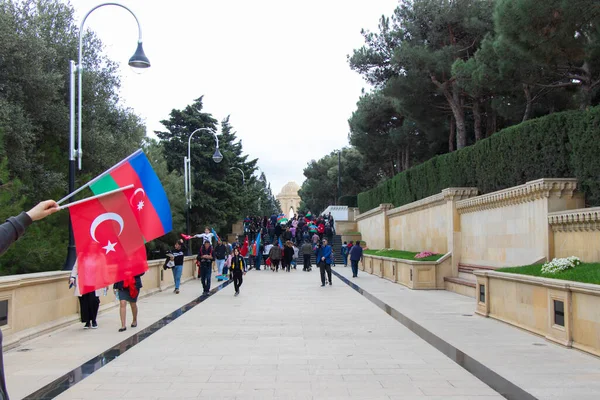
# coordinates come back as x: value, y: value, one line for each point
x: 108, y: 171
x: 96, y: 197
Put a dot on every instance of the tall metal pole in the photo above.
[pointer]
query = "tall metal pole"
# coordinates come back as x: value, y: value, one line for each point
x: 71, y: 253
x: 339, y: 180
x: 187, y: 170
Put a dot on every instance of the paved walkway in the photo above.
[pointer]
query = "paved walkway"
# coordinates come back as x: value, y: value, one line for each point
x: 541, y: 368
x: 286, y: 337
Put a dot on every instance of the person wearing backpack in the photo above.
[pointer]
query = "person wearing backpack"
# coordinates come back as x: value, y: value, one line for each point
x: 238, y: 270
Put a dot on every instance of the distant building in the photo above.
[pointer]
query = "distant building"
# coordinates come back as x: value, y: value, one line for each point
x: 289, y: 198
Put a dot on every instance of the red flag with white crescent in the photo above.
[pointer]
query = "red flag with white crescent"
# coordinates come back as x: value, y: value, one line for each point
x: 109, y: 244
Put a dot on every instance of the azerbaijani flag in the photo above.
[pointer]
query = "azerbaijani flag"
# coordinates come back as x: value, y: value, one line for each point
x: 149, y: 201
x: 280, y: 244
x: 217, y: 238
x: 257, y: 244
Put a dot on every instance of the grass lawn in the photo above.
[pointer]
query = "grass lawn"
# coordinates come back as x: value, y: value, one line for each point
x: 350, y: 233
x: 586, y: 273
x: 405, y: 255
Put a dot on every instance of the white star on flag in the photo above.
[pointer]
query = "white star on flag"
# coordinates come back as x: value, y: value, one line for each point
x: 110, y: 247
x: 140, y: 205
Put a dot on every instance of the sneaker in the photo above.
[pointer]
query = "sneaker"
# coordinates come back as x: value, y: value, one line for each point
x: 329, y: 283
x: 94, y: 325
x: 236, y: 293
x: 322, y: 285
x: 176, y: 291
x: 87, y: 325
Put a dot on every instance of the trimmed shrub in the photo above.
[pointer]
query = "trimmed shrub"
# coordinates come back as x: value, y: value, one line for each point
x: 350, y: 201
x: 560, y: 145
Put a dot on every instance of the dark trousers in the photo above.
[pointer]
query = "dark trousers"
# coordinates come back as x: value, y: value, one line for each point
x: 88, y: 307
x: 237, y: 280
x: 306, y: 262
x: 205, y: 272
x: 354, y: 264
x: 285, y: 264
x: 257, y: 263
x: 325, y: 268
x: 275, y: 264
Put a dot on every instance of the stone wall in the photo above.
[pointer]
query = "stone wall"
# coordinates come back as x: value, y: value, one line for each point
x: 576, y: 233
x: 510, y: 227
x: 373, y: 227
x: 41, y: 302
x: 426, y: 225
x: 530, y: 303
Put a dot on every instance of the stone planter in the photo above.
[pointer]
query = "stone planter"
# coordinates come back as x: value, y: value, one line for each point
x: 416, y: 275
x: 564, y: 312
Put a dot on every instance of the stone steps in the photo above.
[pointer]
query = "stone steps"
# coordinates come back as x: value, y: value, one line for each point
x: 466, y: 281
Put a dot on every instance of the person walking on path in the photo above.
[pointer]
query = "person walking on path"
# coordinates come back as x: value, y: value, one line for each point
x: 356, y: 254
x: 177, y: 254
x: 275, y: 256
x: 288, y: 255
x: 205, y: 257
x: 220, y: 256
x: 306, y: 250
x: 344, y: 252
x: 237, y: 270
x: 89, y: 303
x: 128, y: 291
x: 324, y: 260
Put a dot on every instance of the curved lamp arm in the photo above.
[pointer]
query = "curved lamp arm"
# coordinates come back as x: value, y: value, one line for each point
x: 243, y: 176
x: 80, y: 67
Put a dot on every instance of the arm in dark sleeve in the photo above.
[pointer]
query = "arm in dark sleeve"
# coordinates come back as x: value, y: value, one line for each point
x: 12, y: 229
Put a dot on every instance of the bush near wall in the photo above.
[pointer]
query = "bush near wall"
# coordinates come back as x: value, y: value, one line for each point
x: 560, y: 145
x: 350, y: 201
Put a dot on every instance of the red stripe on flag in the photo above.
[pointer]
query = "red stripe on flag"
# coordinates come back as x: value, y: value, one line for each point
x: 147, y: 216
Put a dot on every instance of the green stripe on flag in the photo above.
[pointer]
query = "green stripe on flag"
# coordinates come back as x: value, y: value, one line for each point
x: 104, y: 184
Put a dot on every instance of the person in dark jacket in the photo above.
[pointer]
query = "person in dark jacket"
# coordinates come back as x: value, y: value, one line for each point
x: 220, y: 256
x: 14, y: 227
x: 278, y: 231
x: 288, y: 255
x: 128, y: 291
x: 324, y: 260
x: 306, y: 251
x: 275, y: 256
x: 10, y: 231
x: 237, y: 271
x: 356, y: 255
x: 205, y: 258
x: 177, y: 255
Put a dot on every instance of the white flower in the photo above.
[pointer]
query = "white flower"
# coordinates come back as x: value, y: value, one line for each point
x: 560, y: 264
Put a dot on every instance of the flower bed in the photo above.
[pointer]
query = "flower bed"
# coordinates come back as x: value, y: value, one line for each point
x: 584, y: 272
x: 405, y: 255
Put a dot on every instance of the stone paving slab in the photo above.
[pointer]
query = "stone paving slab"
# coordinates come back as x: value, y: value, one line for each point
x: 544, y: 369
x: 39, y: 361
x: 284, y: 337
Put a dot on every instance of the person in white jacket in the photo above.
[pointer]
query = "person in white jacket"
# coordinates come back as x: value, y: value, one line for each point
x: 89, y: 303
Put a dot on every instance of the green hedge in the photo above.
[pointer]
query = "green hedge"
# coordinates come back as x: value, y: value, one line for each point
x: 560, y: 145
x: 350, y: 201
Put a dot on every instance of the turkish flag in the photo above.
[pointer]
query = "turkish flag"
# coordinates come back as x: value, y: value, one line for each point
x: 244, y: 250
x: 109, y: 244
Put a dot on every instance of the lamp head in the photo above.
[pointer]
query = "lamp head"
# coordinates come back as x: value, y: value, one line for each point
x: 217, y: 157
x: 139, y: 59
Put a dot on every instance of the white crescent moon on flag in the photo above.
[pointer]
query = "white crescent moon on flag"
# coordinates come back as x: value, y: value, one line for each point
x: 134, y: 193
x: 106, y: 217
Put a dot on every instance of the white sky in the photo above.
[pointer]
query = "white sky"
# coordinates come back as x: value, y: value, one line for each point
x: 278, y: 67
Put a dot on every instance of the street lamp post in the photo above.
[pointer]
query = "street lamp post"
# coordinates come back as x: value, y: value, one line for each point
x: 138, y: 60
x: 339, y: 179
x: 187, y: 171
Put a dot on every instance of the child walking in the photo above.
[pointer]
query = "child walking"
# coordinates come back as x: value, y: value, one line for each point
x: 237, y: 270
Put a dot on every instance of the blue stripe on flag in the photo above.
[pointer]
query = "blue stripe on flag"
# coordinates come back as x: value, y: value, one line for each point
x: 154, y: 190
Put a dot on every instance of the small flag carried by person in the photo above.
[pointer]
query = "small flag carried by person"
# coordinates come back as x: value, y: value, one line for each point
x: 109, y: 244
x: 148, y: 201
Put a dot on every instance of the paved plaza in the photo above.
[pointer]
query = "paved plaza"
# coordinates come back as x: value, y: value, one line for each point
x: 286, y: 337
